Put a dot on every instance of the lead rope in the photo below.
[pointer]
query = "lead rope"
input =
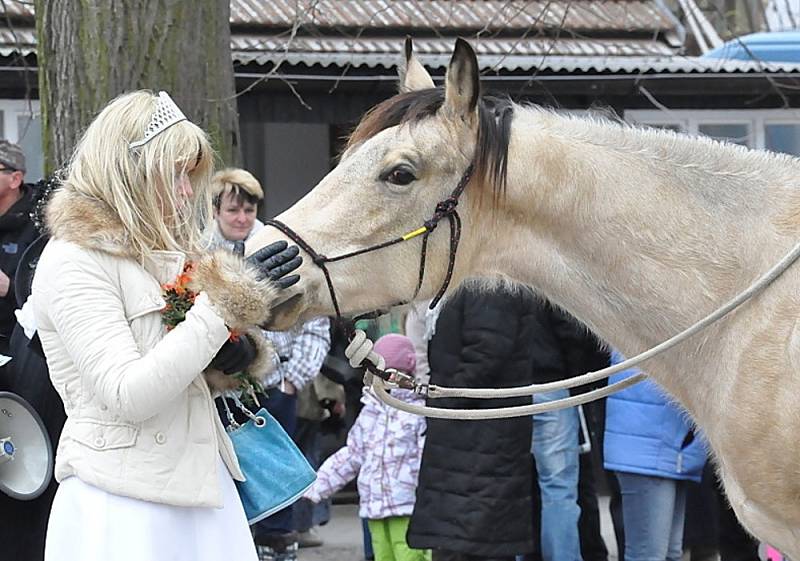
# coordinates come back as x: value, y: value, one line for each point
x: 360, y: 350
x: 360, y: 353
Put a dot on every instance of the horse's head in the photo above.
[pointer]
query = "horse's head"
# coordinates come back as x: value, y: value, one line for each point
x: 406, y: 155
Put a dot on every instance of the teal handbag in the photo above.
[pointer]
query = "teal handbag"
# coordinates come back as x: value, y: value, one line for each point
x: 277, y: 474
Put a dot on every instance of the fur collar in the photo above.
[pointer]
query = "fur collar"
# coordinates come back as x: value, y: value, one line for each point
x: 87, y: 222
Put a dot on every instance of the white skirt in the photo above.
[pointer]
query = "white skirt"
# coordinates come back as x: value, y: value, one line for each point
x: 89, y: 524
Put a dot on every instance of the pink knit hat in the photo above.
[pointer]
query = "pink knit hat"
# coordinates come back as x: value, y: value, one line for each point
x: 398, y: 351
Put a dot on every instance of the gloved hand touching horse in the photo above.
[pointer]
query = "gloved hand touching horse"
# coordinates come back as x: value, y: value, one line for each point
x: 275, y: 262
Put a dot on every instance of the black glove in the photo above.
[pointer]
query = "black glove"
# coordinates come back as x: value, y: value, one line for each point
x: 275, y: 261
x: 235, y: 356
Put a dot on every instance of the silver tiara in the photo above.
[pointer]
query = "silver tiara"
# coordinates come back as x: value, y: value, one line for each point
x: 165, y: 115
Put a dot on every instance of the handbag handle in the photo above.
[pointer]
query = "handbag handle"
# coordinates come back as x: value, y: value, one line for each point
x: 259, y: 421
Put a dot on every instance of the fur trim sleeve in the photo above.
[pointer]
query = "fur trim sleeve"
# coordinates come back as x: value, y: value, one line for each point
x: 264, y: 363
x: 259, y: 369
x: 231, y: 285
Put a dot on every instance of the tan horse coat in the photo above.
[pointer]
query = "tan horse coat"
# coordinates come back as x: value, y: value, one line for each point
x: 638, y: 233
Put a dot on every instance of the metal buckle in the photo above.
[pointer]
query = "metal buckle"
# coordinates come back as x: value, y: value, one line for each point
x: 400, y: 380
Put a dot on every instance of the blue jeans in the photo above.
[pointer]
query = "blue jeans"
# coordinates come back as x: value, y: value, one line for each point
x: 368, y: 553
x: 653, y: 511
x: 555, y: 449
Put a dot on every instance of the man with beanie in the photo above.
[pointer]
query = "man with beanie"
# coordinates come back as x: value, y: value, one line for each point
x: 16, y: 232
x: 384, y: 448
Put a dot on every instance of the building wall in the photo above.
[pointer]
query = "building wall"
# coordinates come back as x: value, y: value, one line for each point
x: 288, y: 158
x: 20, y: 123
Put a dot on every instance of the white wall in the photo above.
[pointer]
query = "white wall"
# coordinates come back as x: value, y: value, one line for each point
x: 20, y: 123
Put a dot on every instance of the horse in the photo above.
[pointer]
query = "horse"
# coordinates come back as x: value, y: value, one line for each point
x: 636, y: 232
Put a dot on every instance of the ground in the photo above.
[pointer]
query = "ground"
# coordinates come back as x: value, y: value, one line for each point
x: 342, y: 536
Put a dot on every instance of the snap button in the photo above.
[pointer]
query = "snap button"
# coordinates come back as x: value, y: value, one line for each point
x: 104, y: 407
x: 99, y: 441
x: 161, y: 438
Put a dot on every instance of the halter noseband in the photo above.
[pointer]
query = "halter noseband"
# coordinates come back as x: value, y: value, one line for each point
x: 446, y: 208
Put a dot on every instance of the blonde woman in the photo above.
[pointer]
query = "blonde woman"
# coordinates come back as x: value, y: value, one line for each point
x: 145, y: 466
x: 237, y: 195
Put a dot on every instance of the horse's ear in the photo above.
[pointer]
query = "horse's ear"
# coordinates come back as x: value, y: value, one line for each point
x: 413, y: 75
x: 462, y: 86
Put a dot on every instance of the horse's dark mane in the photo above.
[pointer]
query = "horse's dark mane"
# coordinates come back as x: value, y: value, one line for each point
x: 494, y: 128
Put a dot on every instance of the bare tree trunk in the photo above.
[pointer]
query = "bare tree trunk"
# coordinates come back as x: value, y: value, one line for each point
x: 93, y: 50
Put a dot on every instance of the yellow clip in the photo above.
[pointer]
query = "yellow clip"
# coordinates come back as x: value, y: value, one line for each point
x: 415, y: 233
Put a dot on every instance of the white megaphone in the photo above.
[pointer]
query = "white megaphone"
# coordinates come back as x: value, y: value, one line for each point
x: 26, y: 455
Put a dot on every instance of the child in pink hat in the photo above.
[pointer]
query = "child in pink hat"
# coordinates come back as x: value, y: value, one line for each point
x: 384, y: 449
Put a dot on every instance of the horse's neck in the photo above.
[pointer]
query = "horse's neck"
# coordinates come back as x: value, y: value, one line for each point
x: 633, y: 232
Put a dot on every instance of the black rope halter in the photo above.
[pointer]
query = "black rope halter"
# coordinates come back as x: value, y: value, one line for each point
x: 444, y: 209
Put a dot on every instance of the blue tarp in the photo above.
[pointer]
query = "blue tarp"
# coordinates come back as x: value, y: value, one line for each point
x: 777, y: 46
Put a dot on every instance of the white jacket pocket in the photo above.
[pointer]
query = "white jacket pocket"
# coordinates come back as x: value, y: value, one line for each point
x: 104, y: 435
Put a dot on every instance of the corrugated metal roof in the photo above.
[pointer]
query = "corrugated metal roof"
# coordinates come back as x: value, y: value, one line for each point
x: 593, y: 63
x: 522, y: 46
x: 662, y: 65
x: 14, y: 8
x: 609, y: 56
x: 509, y: 16
x: 505, y: 54
x: 19, y: 40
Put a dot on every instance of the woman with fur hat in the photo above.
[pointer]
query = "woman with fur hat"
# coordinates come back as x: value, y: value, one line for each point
x: 384, y: 448
x: 146, y: 469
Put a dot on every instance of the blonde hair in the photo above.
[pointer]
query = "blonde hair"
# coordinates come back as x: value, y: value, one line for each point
x: 232, y: 180
x: 139, y: 185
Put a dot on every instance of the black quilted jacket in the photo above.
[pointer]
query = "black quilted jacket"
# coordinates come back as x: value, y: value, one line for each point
x: 474, y: 493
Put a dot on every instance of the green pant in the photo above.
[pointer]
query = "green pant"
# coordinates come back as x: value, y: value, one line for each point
x: 389, y: 540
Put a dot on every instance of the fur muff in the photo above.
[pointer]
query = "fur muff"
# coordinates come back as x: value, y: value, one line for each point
x: 219, y: 382
x: 261, y: 367
x: 234, y: 290
x: 264, y: 363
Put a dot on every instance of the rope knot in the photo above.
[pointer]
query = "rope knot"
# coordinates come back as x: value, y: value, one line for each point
x: 446, y: 207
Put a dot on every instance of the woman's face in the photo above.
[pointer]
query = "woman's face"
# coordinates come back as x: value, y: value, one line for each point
x: 235, y: 219
x: 183, y: 186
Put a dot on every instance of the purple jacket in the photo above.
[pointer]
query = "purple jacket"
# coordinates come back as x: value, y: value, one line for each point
x: 384, y: 449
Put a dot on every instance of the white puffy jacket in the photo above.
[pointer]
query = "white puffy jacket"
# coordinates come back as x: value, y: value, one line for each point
x: 141, y: 420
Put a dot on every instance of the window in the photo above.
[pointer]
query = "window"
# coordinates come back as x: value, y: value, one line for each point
x: 738, y: 133
x: 771, y: 129
x: 666, y: 126
x: 782, y: 138
x: 21, y: 123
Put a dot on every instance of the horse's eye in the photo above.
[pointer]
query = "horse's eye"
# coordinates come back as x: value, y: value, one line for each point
x: 400, y: 175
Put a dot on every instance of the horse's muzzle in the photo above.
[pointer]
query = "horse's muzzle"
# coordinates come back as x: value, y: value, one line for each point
x: 287, y: 313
